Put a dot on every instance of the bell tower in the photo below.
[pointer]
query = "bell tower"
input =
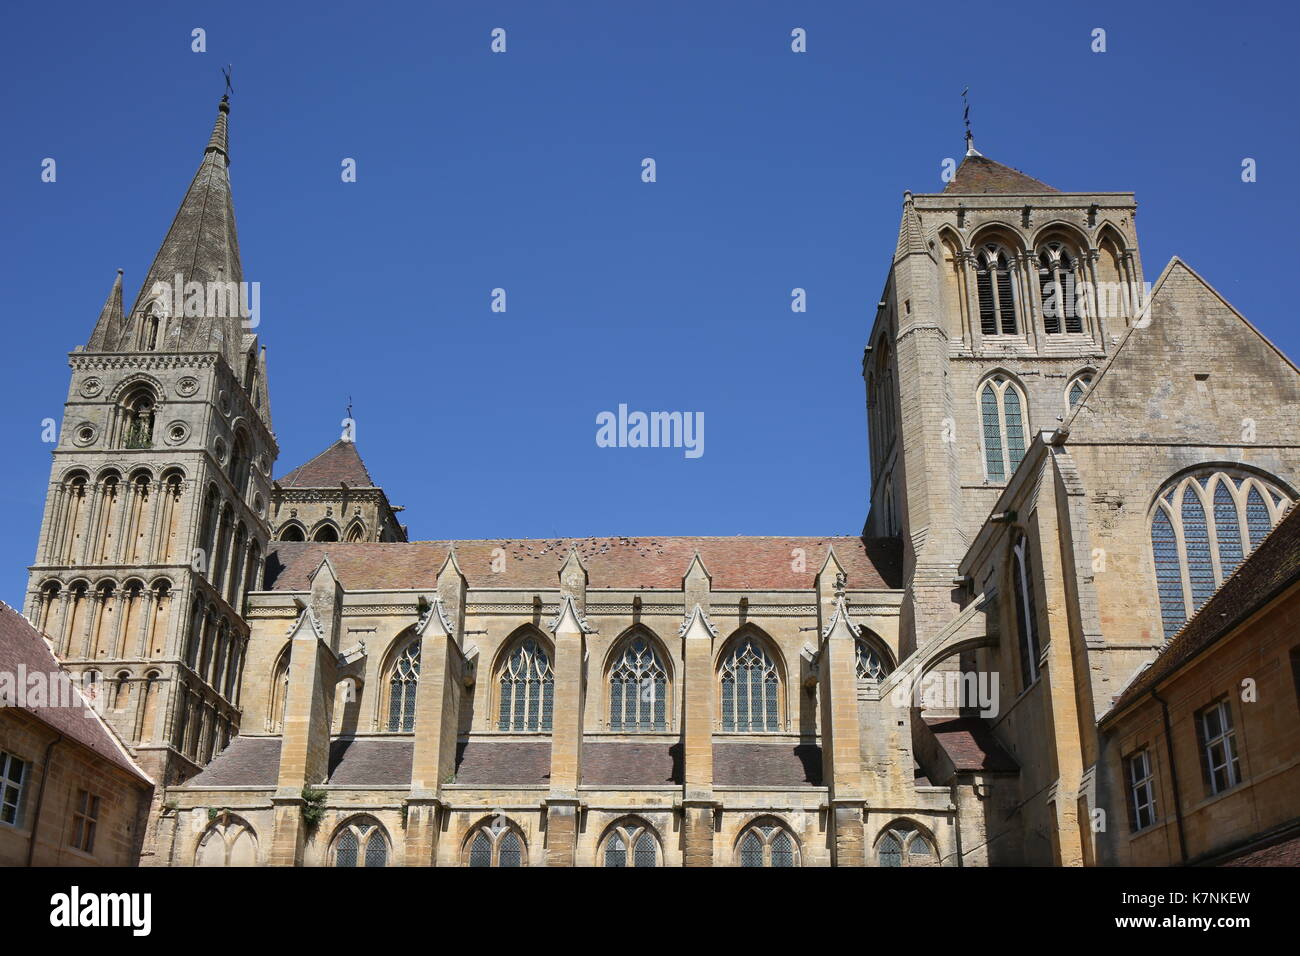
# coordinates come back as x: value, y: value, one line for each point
x: 155, y: 524
x: 1004, y: 298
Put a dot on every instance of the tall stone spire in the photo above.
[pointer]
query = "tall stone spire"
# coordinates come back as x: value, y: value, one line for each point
x: 201, y: 246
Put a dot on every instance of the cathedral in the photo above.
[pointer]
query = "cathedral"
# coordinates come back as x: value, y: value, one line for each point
x: 1067, y: 461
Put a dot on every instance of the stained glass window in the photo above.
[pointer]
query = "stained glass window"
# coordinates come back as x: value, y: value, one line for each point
x: 638, y: 689
x: 633, y: 834
x: 361, y: 842
x: 401, y: 690
x: 527, y: 689
x: 1203, y: 527
x: 902, y: 844
x: 869, y: 666
x: 750, y: 690
x: 496, y: 843
x: 767, y: 843
x: 1004, y: 423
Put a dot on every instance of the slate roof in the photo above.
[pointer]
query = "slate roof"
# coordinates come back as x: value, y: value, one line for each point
x: 380, y: 762
x: 370, y: 762
x: 650, y: 562
x: 338, y: 463
x: 1270, y: 569
x: 611, y: 763
x: 488, y: 763
x: 246, y: 762
x: 767, y: 765
x: 980, y: 175
x: 970, y: 745
x: 22, y: 646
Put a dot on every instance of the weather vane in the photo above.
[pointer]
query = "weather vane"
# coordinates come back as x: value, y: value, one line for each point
x: 349, y: 406
x: 970, y: 137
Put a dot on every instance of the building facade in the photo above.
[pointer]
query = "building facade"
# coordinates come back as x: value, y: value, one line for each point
x: 309, y: 687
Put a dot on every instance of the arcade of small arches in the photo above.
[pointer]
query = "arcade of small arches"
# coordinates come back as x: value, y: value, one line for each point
x: 324, y: 530
x: 107, y: 620
x: 1060, y: 282
x: 362, y: 840
x: 640, y: 693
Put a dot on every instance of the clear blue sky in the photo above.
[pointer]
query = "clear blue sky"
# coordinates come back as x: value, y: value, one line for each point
x: 522, y: 171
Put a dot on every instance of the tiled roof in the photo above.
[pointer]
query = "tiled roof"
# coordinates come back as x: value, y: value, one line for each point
x: 651, y: 562
x: 370, y: 762
x: 1271, y: 568
x: 970, y: 745
x: 23, y: 647
x: 767, y: 765
x: 1286, y: 853
x: 504, y: 763
x: 246, y: 762
x: 981, y: 175
x: 338, y: 463
x: 609, y: 763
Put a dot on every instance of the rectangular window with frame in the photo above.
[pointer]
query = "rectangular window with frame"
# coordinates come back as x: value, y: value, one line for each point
x: 1218, y: 747
x: 1140, y: 776
x: 84, y: 819
x: 13, y: 774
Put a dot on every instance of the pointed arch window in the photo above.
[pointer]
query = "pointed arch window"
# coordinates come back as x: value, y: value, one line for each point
x: 292, y: 532
x: 870, y: 665
x: 1058, y: 286
x: 1075, y: 390
x: 1026, y: 611
x: 402, y: 682
x: 638, y: 689
x: 1203, y: 526
x: 527, y: 689
x: 228, y: 842
x: 496, y: 844
x: 995, y: 289
x: 279, y: 693
x: 1003, y: 415
x: 630, y: 843
x: 767, y: 843
x: 361, y: 842
x: 751, y: 689
x: 904, y: 845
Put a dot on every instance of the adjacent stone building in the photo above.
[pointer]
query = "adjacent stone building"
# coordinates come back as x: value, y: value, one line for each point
x: 70, y: 792
x: 1063, y: 469
x: 1200, y: 756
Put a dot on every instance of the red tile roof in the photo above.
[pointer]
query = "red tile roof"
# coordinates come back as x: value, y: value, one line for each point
x: 1286, y: 853
x: 24, y: 650
x: 340, y: 462
x: 970, y: 745
x: 651, y: 562
x: 981, y: 175
x: 1270, y: 569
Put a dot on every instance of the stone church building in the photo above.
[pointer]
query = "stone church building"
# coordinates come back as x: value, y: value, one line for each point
x: 1063, y: 469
